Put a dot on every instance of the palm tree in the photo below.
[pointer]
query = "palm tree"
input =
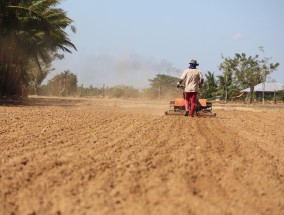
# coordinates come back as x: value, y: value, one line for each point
x: 29, y: 30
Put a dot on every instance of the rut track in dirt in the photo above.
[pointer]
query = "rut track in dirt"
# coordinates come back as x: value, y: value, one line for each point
x: 126, y: 157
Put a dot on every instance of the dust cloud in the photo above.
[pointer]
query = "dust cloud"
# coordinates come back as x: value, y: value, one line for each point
x: 133, y: 70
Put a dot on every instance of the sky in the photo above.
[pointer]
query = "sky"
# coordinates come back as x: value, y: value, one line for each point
x: 128, y: 42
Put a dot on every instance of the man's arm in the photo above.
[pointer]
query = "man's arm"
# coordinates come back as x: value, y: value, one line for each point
x: 181, y: 80
x: 201, y: 80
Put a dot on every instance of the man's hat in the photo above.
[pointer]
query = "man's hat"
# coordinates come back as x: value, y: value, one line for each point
x: 194, y: 62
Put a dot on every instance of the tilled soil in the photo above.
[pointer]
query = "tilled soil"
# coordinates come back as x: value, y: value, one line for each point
x: 101, y: 156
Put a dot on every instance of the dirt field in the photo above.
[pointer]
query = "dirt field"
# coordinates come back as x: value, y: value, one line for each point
x: 69, y: 157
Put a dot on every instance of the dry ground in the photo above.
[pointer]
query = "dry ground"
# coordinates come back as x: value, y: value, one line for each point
x: 125, y: 157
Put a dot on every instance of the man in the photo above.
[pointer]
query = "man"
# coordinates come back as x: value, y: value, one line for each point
x: 192, y: 79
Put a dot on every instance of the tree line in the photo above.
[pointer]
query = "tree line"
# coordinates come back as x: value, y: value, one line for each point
x: 66, y: 84
x: 224, y: 86
x: 238, y: 73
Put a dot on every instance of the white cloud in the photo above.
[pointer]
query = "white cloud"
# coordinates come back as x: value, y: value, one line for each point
x: 237, y: 36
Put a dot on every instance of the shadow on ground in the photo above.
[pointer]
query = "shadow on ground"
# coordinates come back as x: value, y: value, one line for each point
x: 40, y: 101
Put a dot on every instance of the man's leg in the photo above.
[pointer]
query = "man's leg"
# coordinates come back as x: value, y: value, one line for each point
x: 193, y: 96
x: 186, y: 102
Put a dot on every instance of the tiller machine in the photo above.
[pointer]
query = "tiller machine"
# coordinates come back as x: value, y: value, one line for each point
x: 203, y: 108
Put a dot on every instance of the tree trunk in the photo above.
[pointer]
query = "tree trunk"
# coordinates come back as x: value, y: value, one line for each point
x: 226, y: 94
x: 251, y: 94
x: 226, y: 86
x: 36, y: 89
x: 13, y: 77
x: 263, y: 90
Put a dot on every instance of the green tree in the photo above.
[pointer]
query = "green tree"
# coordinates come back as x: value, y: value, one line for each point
x: 63, y: 84
x: 226, y: 81
x: 29, y: 31
x: 131, y: 92
x: 248, y: 71
x: 228, y: 86
x: 122, y: 91
x: 280, y: 95
x: 266, y: 69
x: 245, y: 72
x: 209, y: 88
x: 162, y: 84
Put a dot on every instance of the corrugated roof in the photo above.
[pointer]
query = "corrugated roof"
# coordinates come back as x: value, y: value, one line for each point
x: 269, y: 87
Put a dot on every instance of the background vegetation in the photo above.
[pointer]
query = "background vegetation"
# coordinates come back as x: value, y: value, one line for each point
x: 32, y: 32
